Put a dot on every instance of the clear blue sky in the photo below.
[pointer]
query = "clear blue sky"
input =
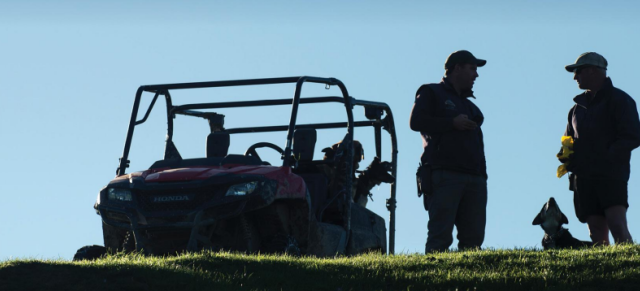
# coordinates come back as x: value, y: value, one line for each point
x: 69, y: 71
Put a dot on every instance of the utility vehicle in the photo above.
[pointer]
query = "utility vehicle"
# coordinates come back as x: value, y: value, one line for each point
x: 238, y: 202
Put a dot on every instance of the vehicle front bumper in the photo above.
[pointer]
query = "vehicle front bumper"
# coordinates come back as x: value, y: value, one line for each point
x: 139, y: 222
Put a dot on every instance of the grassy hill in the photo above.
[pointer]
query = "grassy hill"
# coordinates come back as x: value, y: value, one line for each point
x: 600, y: 268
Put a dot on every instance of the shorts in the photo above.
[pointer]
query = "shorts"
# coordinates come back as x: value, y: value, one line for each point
x: 593, y: 196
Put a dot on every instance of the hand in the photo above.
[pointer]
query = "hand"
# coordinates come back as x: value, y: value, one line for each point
x: 462, y: 122
x: 571, y: 166
x: 379, y: 171
x: 562, y: 158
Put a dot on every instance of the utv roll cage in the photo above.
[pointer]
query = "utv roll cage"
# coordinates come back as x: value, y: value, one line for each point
x: 373, y: 112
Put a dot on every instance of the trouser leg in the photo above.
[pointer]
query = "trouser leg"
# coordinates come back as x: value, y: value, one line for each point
x: 443, y: 207
x: 472, y: 213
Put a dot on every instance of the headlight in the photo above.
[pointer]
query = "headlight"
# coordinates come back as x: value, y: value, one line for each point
x: 242, y: 189
x: 116, y: 194
x: 98, y: 199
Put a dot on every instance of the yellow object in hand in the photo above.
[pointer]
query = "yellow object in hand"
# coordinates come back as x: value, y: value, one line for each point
x: 567, y: 150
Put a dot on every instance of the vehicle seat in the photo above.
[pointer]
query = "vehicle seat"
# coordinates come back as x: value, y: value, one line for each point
x: 304, y: 143
x: 217, y: 144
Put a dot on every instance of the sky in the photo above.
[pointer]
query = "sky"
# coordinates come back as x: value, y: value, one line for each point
x: 69, y: 71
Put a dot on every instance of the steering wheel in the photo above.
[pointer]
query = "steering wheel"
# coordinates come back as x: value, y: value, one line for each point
x: 251, y: 151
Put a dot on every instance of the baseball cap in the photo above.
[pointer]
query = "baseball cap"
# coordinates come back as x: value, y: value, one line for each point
x: 462, y: 57
x: 588, y: 59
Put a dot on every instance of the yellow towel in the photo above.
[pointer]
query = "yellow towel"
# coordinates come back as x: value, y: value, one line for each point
x: 567, y: 150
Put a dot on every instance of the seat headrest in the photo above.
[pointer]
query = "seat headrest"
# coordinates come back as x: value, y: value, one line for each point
x: 217, y: 144
x: 304, y: 143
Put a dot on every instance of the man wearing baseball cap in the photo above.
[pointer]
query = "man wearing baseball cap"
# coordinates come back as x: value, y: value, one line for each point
x: 605, y: 128
x: 452, y: 176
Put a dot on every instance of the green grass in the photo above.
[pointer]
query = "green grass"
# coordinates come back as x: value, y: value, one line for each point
x: 600, y: 268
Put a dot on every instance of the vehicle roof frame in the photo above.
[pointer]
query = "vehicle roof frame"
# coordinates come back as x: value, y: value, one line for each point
x: 349, y: 102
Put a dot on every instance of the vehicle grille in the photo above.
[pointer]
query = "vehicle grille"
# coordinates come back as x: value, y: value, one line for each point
x: 166, y: 219
x: 177, y: 200
x: 119, y: 217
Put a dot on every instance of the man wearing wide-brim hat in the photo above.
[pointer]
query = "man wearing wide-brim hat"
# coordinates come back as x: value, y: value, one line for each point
x: 605, y: 128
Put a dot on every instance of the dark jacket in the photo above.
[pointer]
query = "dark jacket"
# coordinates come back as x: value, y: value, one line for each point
x: 445, y: 147
x: 605, y: 131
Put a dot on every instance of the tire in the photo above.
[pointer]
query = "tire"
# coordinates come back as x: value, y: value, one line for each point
x: 113, y: 238
x: 292, y: 248
x: 250, y: 235
x: 90, y: 253
x: 129, y: 244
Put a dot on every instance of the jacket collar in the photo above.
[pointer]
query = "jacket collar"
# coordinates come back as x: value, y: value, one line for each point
x: 603, y: 93
x: 447, y: 85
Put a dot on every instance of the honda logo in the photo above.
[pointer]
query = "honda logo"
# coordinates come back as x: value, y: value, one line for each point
x: 171, y: 198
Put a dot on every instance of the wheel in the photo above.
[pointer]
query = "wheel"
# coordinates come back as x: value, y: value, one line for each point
x: 292, y: 247
x: 113, y: 238
x: 129, y: 244
x: 236, y: 234
x: 90, y: 253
